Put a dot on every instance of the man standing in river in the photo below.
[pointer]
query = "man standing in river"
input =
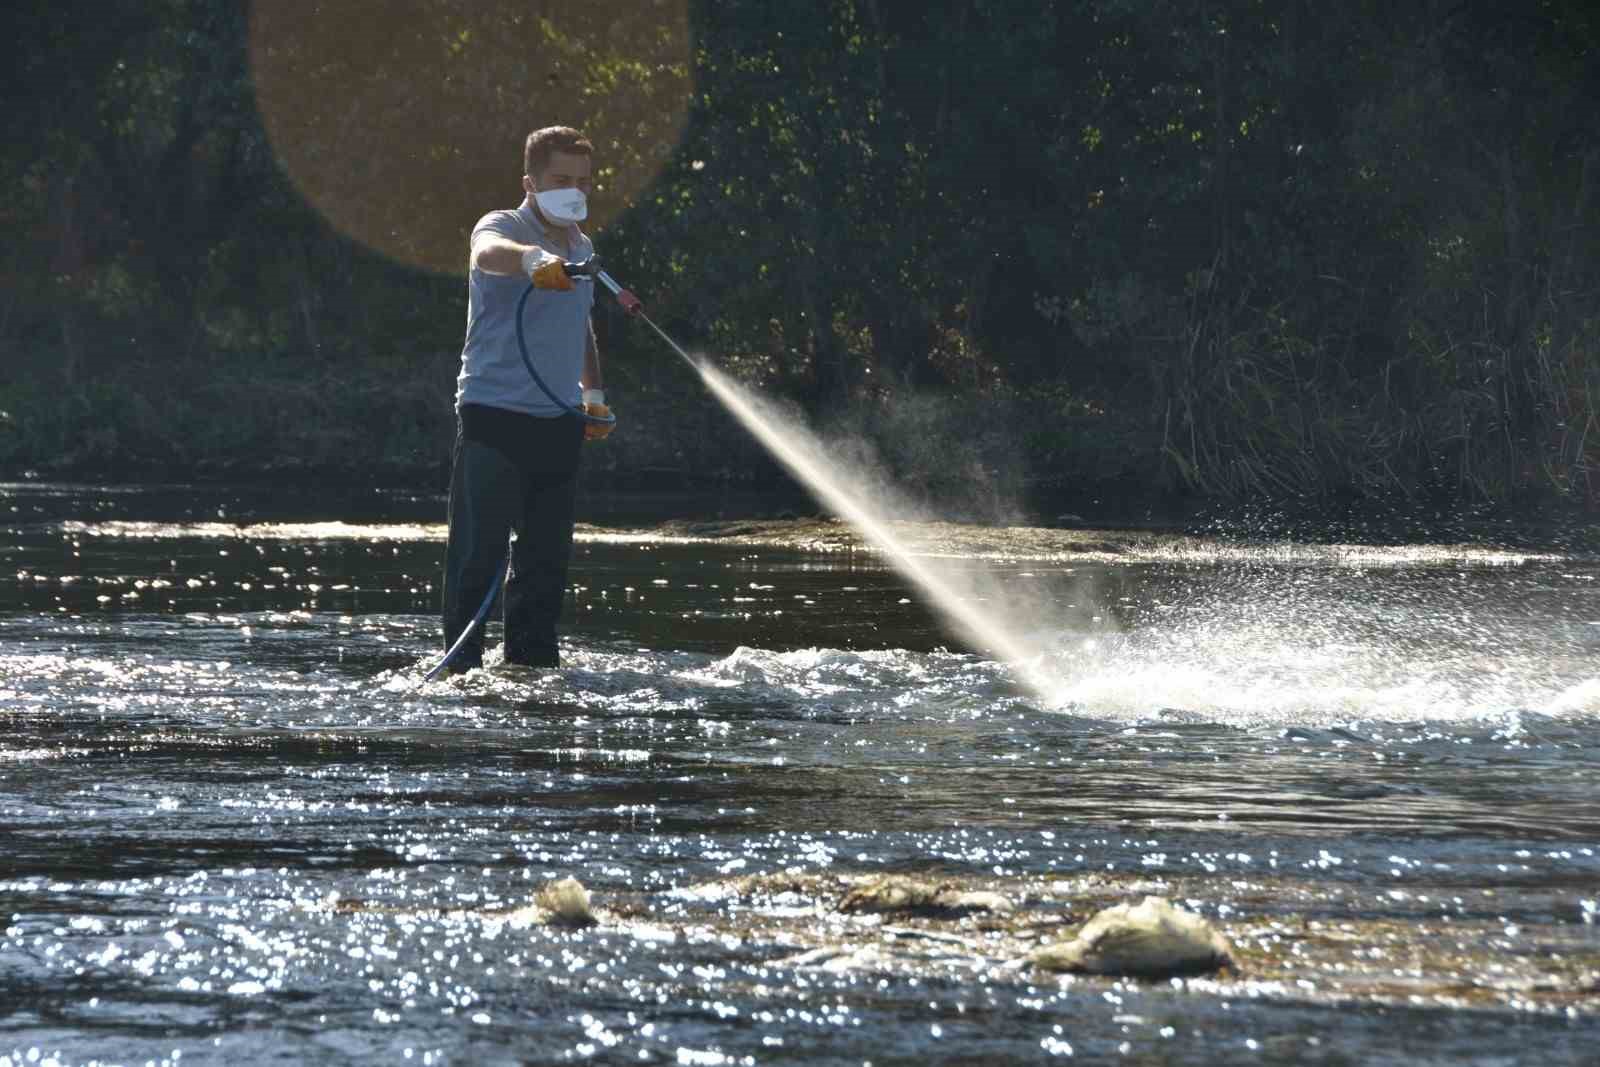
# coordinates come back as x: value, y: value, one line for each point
x: 515, y: 462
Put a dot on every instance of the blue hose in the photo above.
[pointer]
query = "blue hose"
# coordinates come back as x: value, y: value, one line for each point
x: 500, y: 576
x: 483, y: 610
x: 522, y: 350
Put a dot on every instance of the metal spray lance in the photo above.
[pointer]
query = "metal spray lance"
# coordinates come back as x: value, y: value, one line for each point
x: 590, y: 268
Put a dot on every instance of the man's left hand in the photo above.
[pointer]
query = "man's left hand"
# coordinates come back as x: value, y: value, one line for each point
x: 594, y: 405
x: 597, y: 431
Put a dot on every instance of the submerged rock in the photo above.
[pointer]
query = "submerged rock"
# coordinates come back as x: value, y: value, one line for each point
x: 839, y: 959
x: 1151, y: 939
x: 566, y: 901
x: 893, y: 893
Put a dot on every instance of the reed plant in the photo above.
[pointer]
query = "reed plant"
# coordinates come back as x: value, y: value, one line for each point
x: 1256, y: 412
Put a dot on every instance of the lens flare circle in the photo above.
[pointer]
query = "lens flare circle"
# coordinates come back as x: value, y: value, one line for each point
x: 403, y: 123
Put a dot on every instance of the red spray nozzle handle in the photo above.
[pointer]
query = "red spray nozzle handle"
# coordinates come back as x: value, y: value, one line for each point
x: 630, y: 303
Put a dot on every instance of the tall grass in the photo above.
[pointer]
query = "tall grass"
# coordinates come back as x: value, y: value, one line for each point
x: 1255, y: 411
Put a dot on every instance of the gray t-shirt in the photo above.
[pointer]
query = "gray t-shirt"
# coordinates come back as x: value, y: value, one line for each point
x: 555, y: 326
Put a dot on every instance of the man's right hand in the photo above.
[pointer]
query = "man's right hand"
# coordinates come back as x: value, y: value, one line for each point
x: 545, y: 270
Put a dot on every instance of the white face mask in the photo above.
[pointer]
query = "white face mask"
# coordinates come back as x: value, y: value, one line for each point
x: 563, y: 206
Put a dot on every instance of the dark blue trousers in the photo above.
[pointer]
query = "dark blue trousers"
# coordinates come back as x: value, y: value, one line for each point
x: 511, y: 472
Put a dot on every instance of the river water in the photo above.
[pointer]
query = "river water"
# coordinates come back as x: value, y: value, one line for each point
x: 235, y: 823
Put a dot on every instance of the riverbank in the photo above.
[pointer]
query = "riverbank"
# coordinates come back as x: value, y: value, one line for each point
x: 779, y: 511
x: 978, y: 457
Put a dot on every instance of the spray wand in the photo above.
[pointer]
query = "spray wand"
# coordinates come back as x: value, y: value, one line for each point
x: 590, y: 268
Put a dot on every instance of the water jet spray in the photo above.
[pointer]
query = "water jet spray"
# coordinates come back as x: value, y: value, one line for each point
x: 807, y: 459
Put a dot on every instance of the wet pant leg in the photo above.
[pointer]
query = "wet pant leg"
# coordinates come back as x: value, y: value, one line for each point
x: 486, y: 490
x: 537, y: 585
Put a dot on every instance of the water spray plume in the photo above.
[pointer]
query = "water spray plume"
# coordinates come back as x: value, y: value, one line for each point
x: 806, y: 458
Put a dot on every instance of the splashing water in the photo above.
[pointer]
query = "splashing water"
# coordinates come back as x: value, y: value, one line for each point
x: 806, y: 457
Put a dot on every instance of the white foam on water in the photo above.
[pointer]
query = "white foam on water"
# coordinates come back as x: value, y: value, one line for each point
x: 1299, y: 660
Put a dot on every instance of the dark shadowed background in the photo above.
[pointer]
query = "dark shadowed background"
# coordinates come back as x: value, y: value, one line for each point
x: 1213, y: 249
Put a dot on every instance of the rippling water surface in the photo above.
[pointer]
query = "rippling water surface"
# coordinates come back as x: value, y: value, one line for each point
x: 235, y: 821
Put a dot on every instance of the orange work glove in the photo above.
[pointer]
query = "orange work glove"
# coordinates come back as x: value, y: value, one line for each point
x: 546, y: 271
x: 597, y: 431
x: 594, y: 405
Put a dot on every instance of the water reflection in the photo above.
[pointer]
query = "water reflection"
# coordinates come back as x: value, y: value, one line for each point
x: 237, y: 822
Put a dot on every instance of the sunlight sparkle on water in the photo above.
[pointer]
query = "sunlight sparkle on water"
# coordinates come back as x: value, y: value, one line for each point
x: 231, y: 800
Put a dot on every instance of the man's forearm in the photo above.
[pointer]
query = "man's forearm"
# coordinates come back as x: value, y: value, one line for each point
x: 497, y: 255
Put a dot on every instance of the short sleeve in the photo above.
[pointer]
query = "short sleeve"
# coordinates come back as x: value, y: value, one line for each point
x: 494, y: 224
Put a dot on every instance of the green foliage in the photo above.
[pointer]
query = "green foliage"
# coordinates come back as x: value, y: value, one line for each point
x: 1193, y: 246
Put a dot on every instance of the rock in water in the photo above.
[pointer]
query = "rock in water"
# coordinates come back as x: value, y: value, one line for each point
x: 889, y: 893
x: 892, y: 893
x: 1151, y: 939
x: 567, y: 902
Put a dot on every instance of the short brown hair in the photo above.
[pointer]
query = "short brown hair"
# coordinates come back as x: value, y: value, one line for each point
x: 542, y: 144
